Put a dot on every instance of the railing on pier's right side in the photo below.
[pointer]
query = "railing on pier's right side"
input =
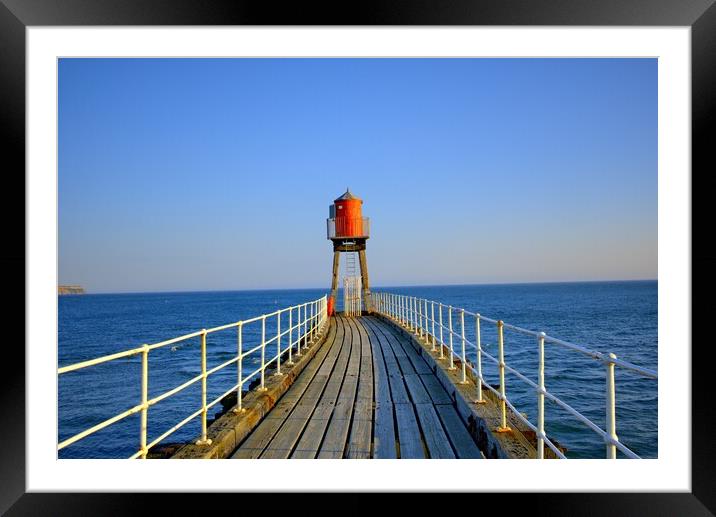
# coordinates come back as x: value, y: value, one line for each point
x: 309, y: 321
x: 418, y: 315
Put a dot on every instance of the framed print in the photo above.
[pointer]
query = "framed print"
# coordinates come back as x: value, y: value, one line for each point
x: 105, y: 64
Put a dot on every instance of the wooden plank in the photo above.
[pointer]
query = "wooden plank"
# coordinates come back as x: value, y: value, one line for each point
x: 436, y: 390
x: 359, y: 443
x: 459, y: 436
x: 406, y: 365
x: 339, y: 370
x: 409, y: 438
x: 381, y: 387
x: 398, y: 392
x: 418, y: 393
x: 315, y: 429
x: 285, y: 439
x: 256, y: 442
x: 365, y: 379
x: 418, y: 363
x: 334, y: 441
x: 435, y: 438
x: 384, y: 442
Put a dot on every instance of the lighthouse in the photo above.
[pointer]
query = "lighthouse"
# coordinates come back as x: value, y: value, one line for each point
x: 349, y: 231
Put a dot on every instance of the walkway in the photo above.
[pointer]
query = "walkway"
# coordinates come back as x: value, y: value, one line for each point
x: 366, y: 394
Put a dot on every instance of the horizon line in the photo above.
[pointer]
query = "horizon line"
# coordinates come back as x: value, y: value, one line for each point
x: 374, y: 288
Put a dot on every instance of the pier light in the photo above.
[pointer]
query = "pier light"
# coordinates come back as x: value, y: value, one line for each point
x: 349, y: 231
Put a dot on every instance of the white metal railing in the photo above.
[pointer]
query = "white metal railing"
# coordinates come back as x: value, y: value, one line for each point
x: 349, y: 227
x: 310, y: 320
x: 418, y: 315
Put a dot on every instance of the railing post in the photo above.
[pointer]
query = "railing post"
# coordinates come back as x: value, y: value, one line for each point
x: 263, y: 354
x: 313, y: 321
x: 425, y: 306
x: 452, y: 359
x: 410, y: 313
x: 310, y: 324
x: 478, y: 346
x: 419, y: 317
x: 540, y: 398
x: 503, y: 406
x: 290, y: 336
x: 442, y: 343
x: 298, y: 331
x: 432, y: 318
x: 406, y: 313
x: 423, y: 318
x: 278, y: 344
x: 462, y: 335
x: 416, y: 315
x: 240, y: 368
x: 145, y: 406
x: 611, y: 408
x: 306, y: 321
x: 203, y: 440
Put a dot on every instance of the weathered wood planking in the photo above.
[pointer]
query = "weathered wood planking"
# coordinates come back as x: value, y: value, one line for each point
x: 384, y: 440
x: 409, y: 437
x: 359, y: 442
x: 334, y: 442
x: 255, y: 443
x: 417, y: 391
x: 285, y: 439
x: 369, y: 393
x: 398, y: 392
x: 385, y: 444
x: 462, y: 442
x: 436, y: 390
x: 380, y: 373
x: 435, y: 438
x: 418, y: 363
x: 312, y: 437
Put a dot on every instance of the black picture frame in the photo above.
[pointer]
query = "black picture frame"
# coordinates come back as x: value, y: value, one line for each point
x: 17, y: 15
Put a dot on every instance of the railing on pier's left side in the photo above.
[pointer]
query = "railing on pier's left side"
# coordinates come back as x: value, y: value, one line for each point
x: 418, y: 316
x: 308, y: 323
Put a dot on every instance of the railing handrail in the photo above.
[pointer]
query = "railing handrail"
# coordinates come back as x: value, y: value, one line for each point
x: 412, y: 313
x: 308, y: 328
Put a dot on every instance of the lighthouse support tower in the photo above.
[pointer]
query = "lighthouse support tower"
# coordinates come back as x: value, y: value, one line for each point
x: 349, y: 231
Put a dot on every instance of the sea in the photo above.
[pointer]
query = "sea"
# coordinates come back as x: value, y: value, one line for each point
x: 618, y: 317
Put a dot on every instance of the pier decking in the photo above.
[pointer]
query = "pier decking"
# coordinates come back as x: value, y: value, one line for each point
x: 366, y: 394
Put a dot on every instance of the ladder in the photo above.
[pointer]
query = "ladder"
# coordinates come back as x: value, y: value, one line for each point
x: 352, y: 286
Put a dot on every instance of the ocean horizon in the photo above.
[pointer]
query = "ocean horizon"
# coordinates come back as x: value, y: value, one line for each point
x: 373, y: 288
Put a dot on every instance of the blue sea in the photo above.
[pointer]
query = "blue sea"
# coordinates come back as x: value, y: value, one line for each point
x: 619, y: 317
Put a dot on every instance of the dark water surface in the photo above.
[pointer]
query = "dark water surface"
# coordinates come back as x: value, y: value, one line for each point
x: 619, y: 317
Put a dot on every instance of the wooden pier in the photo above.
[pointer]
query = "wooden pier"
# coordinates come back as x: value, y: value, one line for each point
x: 367, y: 393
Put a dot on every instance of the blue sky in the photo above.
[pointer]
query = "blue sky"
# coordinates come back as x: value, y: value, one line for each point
x: 203, y: 174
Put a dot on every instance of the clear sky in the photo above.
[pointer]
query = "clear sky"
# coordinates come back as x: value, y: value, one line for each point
x: 204, y: 174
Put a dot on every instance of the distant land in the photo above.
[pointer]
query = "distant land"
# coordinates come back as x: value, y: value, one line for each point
x: 70, y: 289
